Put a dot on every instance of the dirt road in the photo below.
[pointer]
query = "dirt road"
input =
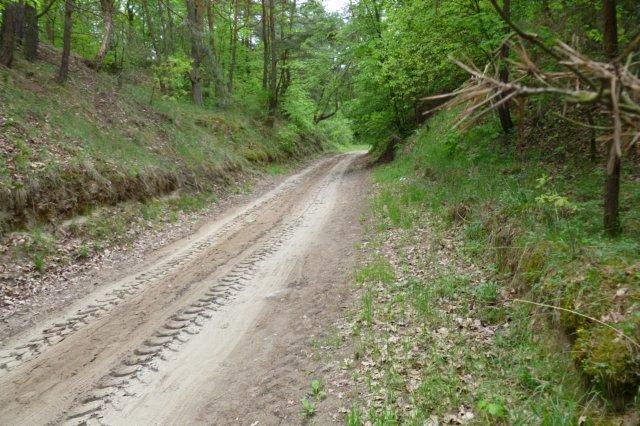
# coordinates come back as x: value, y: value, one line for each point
x: 214, y: 329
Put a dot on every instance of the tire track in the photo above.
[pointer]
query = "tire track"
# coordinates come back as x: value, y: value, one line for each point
x: 93, y: 361
x: 185, y: 323
x: 130, y: 286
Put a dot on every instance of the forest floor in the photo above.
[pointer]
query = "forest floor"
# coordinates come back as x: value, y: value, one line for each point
x: 214, y: 326
x: 459, y: 245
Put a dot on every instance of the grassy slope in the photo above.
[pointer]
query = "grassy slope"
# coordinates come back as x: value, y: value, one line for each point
x: 461, y: 229
x: 65, y: 147
x: 114, y: 155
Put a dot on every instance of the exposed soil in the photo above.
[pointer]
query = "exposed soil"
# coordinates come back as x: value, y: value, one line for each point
x: 36, y: 296
x: 215, y: 329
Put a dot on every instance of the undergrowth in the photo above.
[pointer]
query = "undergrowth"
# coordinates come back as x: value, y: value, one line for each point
x: 466, y: 227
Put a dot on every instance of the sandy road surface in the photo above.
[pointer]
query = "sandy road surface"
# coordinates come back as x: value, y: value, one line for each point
x: 213, y: 331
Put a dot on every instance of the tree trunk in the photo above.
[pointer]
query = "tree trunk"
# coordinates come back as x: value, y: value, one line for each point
x: 612, y: 196
x: 503, y: 110
x: 265, y: 44
x: 49, y: 29
x: 20, y: 22
x: 222, y: 96
x: 150, y: 30
x: 610, y: 28
x: 8, y: 34
x: 168, y: 35
x: 285, y: 70
x: 612, y: 180
x: 246, y: 41
x: 49, y: 21
x: 31, y: 33
x: 194, y: 27
x: 273, y: 62
x: 63, y: 72
x: 155, y: 45
x: 211, y: 23
x: 107, y: 16
x: 234, y: 45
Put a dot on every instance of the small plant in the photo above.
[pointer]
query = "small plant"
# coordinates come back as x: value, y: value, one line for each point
x: 151, y: 211
x: 308, y: 408
x: 82, y: 252
x: 493, y: 409
x: 487, y: 292
x: 367, y: 307
x: 38, y: 262
x: 558, y: 202
x: 317, y: 390
x: 354, y: 417
x: 173, y: 216
x: 275, y: 169
x: 378, y: 270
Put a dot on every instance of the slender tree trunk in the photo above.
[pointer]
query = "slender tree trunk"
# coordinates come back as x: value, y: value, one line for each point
x: 31, y: 33
x: 49, y: 23
x: 8, y: 34
x: 265, y: 44
x: 20, y: 22
x: 503, y: 110
x: 285, y: 71
x: 155, y: 45
x: 273, y: 62
x: 63, y: 72
x: 612, y: 180
x: 146, y: 15
x: 50, y: 29
x: 194, y: 26
x: 246, y: 41
x: 211, y: 23
x: 234, y: 45
x: 107, y: 17
x: 222, y: 96
x: 610, y: 28
x: 168, y: 33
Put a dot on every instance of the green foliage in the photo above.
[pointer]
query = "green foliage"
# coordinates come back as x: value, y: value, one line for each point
x: 354, y: 417
x: 379, y: 270
x: 405, y: 56
x: 493, y: 410
x: 82, y: 251
x: 172, y: 74
x: 451, y: 277
x: 536, y: 226
x: 308, y: 408
x: 317, y: 390
x: 367, y: 308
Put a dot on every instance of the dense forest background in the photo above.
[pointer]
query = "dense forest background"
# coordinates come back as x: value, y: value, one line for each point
x: 521, y: 119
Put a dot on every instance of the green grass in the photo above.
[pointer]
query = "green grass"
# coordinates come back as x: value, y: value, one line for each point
x: 275, y: 169
x: 517, y: 226
x: 378, y: 269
